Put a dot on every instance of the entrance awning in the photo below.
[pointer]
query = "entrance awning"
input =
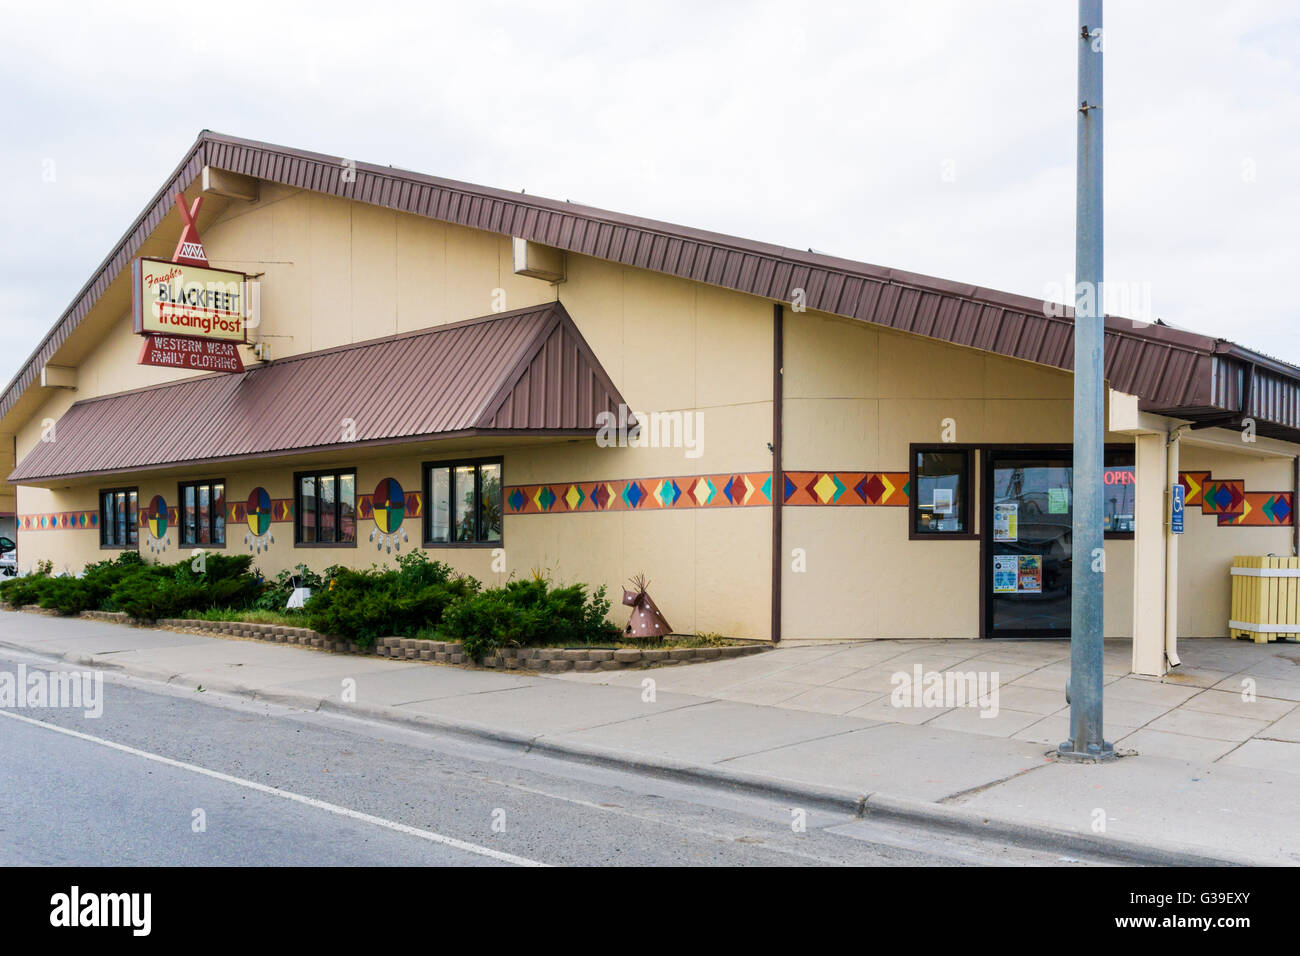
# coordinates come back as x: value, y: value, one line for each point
x: 526, y: 372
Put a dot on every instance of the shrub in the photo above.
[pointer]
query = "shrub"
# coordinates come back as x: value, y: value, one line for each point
x: 363, y: 605
x: 68, y: 595
x: 529, y: 612
x: 25, y: 590
x: 151, y: 591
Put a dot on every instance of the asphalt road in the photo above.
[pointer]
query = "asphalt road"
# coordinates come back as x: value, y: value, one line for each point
x: 274, y: 786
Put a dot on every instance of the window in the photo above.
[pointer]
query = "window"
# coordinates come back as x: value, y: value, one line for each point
x: 941, y: 492
x: 325, y: 508
x: 119, y: 521
x: 203, y: 513
x: 1119, y: 483
x: 462, y: 502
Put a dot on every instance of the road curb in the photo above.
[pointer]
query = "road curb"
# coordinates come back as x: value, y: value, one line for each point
x: 953, y: 819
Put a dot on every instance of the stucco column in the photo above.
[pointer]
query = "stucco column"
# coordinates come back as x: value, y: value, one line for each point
x: 1149, y: 556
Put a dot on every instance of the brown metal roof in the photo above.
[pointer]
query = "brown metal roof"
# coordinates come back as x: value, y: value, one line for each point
x: 1171, y: 370
x: 524, y: 371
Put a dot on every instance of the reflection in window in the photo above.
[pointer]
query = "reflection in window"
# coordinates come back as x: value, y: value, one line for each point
x: 941, y: 491
x: 326, y: 508
x: 463, y: 502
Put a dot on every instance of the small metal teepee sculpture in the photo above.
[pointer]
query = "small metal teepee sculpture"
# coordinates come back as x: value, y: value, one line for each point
x: 646, y: 621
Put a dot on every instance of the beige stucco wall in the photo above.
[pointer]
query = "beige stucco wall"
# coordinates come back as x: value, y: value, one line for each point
x: 337, y: 272
x: 1205, y: 550
x: 856, y: 398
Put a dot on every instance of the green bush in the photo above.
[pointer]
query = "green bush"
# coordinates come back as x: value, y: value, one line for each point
x: 151, y: 591
x: 25, y: 590
x: 529, y: 612
x: 68, y: 596
x: 363, y: 605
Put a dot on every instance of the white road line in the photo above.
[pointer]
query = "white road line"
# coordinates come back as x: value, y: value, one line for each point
x: 288, y: 795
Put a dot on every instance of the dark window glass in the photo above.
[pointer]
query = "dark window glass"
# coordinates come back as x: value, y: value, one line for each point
x: 347, y: 508
x: 439, y: 505
x: 118, y: 519
x: 219, y: 513
x: 489, y: 503
x: 463, y: 502
x: 326, y: 508
x: 326, y: 513
x: 307, y: 510
x: 203, y: 513
x: 189, y: 517
x: 941, y: 492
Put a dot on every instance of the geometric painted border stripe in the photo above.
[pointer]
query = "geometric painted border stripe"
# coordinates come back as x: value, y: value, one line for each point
x: 1229, y: 501
x: 58, y: 521
x: 1223, y: 496
x: 734, y: 490
x: 1266, y: 509
x: 869, y: 488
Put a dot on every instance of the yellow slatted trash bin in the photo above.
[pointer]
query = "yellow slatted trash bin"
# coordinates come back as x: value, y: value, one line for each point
x: 1265, y: 598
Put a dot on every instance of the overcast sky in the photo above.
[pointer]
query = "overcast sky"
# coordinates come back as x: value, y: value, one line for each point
x: 931, y: 136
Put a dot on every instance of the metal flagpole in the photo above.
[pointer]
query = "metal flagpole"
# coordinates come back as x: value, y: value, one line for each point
x: 1086, y: 740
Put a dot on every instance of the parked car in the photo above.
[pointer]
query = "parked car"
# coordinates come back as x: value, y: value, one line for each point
x: 8, y: 558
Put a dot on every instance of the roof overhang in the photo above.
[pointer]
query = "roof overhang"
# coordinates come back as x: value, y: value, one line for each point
x: 525, y: 374
x: 1172, y: 371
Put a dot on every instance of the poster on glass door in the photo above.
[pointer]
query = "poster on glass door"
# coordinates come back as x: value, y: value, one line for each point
x: 1005, y: 515
x: 1006, y: 573
x: 1029, y: 574
x: 1017, y: 574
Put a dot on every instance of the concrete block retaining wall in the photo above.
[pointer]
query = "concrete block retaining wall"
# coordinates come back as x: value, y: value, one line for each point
x: 553, y: 659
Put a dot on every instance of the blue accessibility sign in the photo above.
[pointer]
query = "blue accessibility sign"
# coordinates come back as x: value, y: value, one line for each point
x: 1176, y: 508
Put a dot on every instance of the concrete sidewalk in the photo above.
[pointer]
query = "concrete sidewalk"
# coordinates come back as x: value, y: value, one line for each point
x: 721, y: 721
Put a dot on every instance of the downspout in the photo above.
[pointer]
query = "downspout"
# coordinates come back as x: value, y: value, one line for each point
x: 1171, y: 550
x: 778, y: 475
x: 1295, y: 496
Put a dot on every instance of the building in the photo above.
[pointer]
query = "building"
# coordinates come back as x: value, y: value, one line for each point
x: 785, y: 443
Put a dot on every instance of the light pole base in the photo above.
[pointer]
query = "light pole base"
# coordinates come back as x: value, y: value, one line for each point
x: 1093, y: 754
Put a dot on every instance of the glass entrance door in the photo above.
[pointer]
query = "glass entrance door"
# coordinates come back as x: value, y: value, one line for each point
x: 1030, y: 513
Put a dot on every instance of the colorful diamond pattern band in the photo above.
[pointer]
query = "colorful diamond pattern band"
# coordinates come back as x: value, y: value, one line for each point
x: 1229, y: 501
x: 874, y: 488
x: 736, y: 490
x: 710, y: 491
x: 59, y: 521
x: 1263, y: 509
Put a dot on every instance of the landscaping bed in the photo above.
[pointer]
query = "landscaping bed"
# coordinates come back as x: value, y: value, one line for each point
x: 551, y: 659
x: 420, y: 610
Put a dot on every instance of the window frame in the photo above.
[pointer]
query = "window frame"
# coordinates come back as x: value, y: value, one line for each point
x: 131, y: 528
x: 337, y: 474
x: 212, y: 513
x: 451, y: 464
x: 967, y: 498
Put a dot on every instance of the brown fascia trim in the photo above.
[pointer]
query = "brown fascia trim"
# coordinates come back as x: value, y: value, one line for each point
x: 393, y: 184
x: 288, y: 453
